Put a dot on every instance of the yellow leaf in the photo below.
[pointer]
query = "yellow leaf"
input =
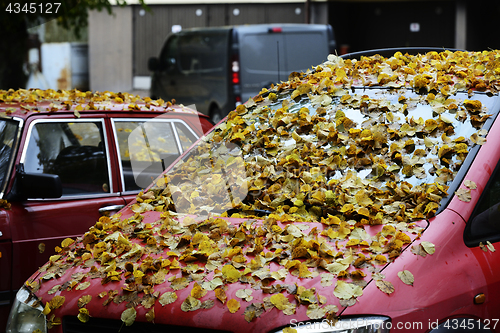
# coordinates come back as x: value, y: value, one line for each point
x: 83, y: 315
x: 470, y: 184
x: 463, y: 194
x: 128, y: 316
x: 57, y: 302
x: 84, y: 300
x: 46, y: 309
x: 167, y: 298
x: 83, y: 286
x: 67, y: 242
x: 380, y: 260
x: 280, y: 301
x: 233, y: 305
x: 198, y: 291
x: 407, y: 277
x: 345, y: 290
x: 385, y: 286
x: 230, y: 273
x: 428, y: 247
x: 221, y: 295
x: 190, y: 304
x: 150, y: 315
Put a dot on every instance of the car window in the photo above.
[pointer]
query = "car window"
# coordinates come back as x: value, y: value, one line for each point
x: 169, y: 53
x: 8, y: 132
x: 484, y: 224
x: 146, y: 148
x: 75, y: 151
x: 186, y: 136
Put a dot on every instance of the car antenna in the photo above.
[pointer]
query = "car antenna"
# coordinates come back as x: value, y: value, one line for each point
x: 278, y: 54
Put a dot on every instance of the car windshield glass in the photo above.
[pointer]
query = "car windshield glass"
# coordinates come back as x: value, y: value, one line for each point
x: 8, y: 132
x: 371, y: 154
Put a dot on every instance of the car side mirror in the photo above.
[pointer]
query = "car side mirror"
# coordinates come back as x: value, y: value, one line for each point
x: 37, y: 185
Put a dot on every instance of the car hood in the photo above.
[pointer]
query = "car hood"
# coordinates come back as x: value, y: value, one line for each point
x: 213, y: 273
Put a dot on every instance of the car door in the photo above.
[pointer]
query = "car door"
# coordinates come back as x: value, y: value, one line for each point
x: 77, y: 150
x: 146, y: 147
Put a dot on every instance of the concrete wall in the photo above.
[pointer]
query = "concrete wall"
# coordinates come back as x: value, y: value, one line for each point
x: 110, y: 49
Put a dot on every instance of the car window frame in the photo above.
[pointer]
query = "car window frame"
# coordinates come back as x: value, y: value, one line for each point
x: 171, y: 121
x: 106, y: 148
x: 469, y: 240
x: 15, y: 147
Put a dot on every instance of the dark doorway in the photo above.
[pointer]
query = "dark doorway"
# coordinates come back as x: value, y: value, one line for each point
x: 371, y: 25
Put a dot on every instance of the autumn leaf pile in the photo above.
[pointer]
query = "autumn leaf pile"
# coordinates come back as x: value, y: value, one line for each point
x: 343, y: 174
x: 36, y: 100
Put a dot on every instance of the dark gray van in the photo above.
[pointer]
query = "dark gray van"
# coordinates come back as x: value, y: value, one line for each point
x: 218, y: 68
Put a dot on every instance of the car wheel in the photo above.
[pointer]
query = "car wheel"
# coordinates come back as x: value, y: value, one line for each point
x: 216, y: 115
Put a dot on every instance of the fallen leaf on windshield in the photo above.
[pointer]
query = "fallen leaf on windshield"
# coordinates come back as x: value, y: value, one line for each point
x: 407, y: 277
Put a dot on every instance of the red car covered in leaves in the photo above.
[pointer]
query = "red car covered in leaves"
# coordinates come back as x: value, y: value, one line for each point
x: 360, y: 196
x: 67, y: 158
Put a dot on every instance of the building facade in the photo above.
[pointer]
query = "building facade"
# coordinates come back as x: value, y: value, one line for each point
x: 120, y: 45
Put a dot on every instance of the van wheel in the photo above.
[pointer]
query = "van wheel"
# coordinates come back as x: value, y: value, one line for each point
x: 216, y: 115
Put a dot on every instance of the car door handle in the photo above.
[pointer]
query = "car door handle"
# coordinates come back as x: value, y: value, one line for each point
x: 106, y: 210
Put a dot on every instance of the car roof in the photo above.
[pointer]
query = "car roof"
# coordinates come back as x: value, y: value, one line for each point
x: 24, y: 103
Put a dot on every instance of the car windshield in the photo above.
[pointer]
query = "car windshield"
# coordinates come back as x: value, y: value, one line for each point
x: 371, y: 155
x: 8, y: 132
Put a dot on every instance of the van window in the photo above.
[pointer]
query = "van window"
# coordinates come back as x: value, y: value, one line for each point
x: 201, y: 53
x: 75, y: 151
x: 168, y: 54
x: 260, y: 53
x: 298, y: 49
x: 484, y: 224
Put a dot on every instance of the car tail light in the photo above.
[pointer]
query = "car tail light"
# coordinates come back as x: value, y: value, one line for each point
x: 275, y: 30
x: 235, y: 78
x: 235, y: 69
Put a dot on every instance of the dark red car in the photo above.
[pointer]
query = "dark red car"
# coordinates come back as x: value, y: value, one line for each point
x: 67, y: 158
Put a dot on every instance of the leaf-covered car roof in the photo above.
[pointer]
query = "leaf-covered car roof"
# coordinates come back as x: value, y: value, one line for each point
x: 343, y: 163
x: 23, y: 103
